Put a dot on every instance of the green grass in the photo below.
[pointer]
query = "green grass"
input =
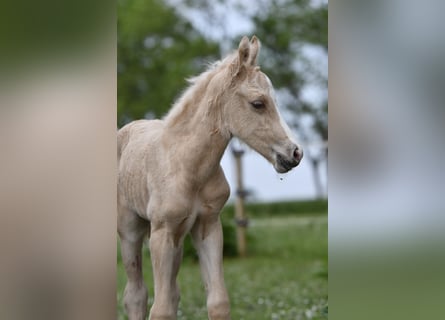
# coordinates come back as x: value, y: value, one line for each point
x: 273, y: 209
x: 284, y: 276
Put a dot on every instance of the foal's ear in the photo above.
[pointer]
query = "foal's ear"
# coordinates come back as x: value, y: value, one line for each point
x: 244, y: 51
x: 255, y: 46
x: 243, y: 56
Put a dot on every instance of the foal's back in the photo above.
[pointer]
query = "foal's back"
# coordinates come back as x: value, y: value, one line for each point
x: 136, y: 145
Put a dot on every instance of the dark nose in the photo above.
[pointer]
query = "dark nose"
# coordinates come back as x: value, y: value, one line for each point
x: 298, y: 154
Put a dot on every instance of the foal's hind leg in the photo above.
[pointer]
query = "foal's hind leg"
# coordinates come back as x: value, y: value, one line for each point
x: 132, y: 230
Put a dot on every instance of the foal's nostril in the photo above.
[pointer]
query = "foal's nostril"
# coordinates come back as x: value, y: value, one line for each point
x: 298, y: 154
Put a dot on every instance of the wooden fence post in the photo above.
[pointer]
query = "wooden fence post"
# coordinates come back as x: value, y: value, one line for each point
x: 240, y: 215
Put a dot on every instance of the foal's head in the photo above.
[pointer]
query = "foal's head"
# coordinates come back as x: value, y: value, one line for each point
x: 251, y: 110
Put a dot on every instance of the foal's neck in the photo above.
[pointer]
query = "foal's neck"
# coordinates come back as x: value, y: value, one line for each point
x: 197, y: 127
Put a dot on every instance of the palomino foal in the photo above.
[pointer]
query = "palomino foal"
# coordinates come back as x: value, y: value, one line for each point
x: 170, y: 181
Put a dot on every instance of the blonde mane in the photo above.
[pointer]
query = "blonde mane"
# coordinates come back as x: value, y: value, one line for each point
x: 193, y: 95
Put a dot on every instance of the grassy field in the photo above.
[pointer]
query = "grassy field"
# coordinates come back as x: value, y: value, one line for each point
x: 284, y: 277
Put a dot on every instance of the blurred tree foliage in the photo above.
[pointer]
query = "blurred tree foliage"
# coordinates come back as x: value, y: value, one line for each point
x: 157, y: 50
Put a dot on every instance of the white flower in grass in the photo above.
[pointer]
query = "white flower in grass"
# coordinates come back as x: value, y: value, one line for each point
x: 310, y: 313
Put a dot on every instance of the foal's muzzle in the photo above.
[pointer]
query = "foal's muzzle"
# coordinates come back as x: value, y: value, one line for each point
x: 285, y: 163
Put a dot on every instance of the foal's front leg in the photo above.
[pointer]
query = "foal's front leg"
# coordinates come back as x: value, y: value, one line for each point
x: 166, y: 246
x: 208, y: 240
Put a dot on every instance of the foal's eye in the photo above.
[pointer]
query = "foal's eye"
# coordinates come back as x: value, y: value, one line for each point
x: 257, y: 104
